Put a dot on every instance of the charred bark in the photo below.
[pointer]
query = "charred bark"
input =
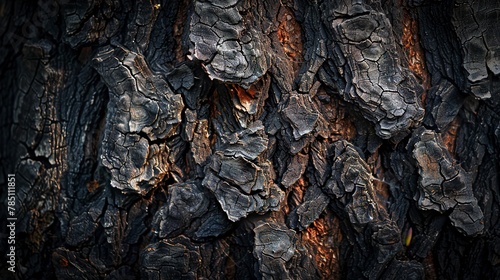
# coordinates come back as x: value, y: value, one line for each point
x: 240, y: 139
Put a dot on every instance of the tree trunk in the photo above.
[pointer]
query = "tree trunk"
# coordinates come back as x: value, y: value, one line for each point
x: 241, y: 139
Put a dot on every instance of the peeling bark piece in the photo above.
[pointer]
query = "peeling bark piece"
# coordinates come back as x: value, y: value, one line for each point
x: 300, y: 121
x: 235, y: 204
x: 241, y: 173
x: 190, y: 125
x: 192, y: 212
x: 444, y: 185
x: 196, y: 132
x: 319, y: 158
x: 306, y: 80
x: 186, y: 201
x: 299, y: 111
x: 315, y: 202
x: 109, y: 163
x: 141, y: 109
x: 249, y: 143
x: 295, y: 169
x: 353, y: 196
x: 468, y: 218
x: 229, y: 51
x: 350, y: 175
x: 374, y: 78
x: 476, y: 24
x: 386, y: 239
x: 241, y: 180
x: 200, y: 147
x: 241, y: 187
x: 274, y: 247
x: 443, y: 103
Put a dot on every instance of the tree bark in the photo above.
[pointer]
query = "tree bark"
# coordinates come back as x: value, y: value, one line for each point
x: 240, y: 139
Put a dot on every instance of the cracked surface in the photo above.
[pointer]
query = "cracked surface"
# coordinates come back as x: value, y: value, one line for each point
x: 229, y: 50
x: 476, y: 25
x: 142, y: 111
x: 374, y: 78
x: 443, y: 185
x: 274, y: 247
x: 444, y: 103
x: 240, y: 139
x: 185, y: 203
x: 239, y: 180
x: 352, y: 192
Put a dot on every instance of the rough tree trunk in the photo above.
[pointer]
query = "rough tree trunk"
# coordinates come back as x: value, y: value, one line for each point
x: 242, y: 139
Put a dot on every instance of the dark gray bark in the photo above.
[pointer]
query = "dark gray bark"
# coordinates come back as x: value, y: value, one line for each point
x: 240, y: 139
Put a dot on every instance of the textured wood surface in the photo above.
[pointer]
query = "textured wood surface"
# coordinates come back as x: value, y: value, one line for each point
x: 241, y: 139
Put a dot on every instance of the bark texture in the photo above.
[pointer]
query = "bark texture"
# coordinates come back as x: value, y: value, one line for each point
x: 241, y: 139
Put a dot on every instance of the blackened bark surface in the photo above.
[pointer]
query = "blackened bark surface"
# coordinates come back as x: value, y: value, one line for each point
x: 240, y: 139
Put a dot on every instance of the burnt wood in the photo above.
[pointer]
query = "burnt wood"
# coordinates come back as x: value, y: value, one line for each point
x: 241, y: 139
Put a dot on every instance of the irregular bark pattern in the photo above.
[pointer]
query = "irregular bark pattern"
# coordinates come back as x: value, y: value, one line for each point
x: 141, y: 110
x: 371, y: 74
x: 480, y: 44
x: 443, y: 185
x: 240, y: 139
